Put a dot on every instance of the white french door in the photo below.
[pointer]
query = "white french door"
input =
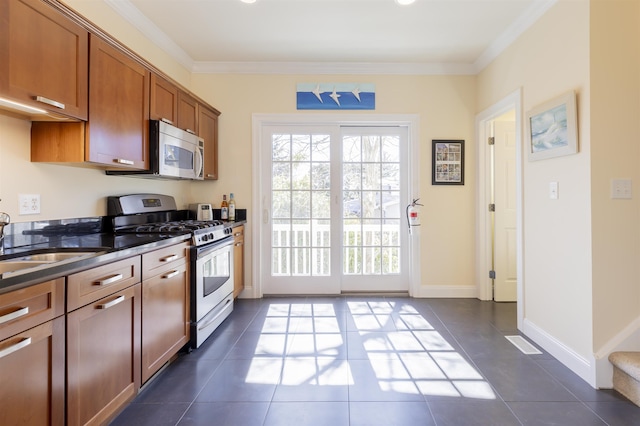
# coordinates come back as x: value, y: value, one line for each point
x: 333, y: 200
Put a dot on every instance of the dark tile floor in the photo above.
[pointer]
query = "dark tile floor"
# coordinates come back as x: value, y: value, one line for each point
x: 370, y: 361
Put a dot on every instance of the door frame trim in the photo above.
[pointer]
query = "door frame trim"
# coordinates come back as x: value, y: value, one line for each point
x: 259, y: 215
x: 483, y: 230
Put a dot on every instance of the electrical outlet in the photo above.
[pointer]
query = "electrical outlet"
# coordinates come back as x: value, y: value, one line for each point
x: 29, y: 203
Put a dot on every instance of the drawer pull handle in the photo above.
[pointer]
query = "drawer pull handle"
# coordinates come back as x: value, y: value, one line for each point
x: 237, y: 234
x: 123, y: 161
x: 171, y: 274
x: 169, y: 258
x: 209, y: 175
x: 112, y: 279
x: 190, y: 131
x: 239, y: 244
x: 50, y: 102
x: 15, y: 314
x: 13, y: 348
x: 110, y: 304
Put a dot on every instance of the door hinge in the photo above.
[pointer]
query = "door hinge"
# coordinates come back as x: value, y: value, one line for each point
x: 492, y: 140
x: 492, y: 275
x: 492, y: 207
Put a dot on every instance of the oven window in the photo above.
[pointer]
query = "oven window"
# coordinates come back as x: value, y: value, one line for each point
x: 216, y: 271
x: 180, y: 158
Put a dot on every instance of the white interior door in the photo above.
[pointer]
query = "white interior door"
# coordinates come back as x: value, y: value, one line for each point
x: 505, y: 234
x: 334, y: 201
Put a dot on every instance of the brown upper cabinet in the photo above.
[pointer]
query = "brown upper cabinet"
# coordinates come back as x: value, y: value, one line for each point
x: 118, y: 127
x: 117, y: 133
x: 164, y: 100
x: 187, y: 112
x: 170, y: 103
x: 43, y: 58
x: 208, y: 130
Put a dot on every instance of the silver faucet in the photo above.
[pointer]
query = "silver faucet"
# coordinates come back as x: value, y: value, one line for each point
x: 4, y: 220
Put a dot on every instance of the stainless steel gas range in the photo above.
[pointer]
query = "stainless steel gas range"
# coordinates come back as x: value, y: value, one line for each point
x: 211, y: 253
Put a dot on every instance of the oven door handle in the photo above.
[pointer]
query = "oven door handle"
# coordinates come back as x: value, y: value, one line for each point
x: 206, y: 251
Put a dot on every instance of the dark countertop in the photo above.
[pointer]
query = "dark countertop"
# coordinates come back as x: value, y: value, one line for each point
x: 106, y: 247
x: 92, y: 235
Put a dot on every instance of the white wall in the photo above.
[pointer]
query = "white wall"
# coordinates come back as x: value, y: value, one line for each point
x: 581, y: 270
x: 552, y: 57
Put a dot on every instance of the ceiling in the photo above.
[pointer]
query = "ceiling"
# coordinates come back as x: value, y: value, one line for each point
x: 333, y: 36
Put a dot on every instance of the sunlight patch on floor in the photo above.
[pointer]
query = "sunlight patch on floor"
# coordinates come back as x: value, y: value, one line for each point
x: 404, y: 352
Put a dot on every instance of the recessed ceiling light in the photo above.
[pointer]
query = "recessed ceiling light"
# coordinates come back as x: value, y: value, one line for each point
x: 248, y: 1
x: 405, y: 2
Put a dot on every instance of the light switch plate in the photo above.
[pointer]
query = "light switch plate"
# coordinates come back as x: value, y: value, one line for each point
x: 29, y: 203
x: 621, y: 189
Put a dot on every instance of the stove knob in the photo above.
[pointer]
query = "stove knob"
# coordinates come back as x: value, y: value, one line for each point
x: 211, y: 235
x: 204, y: 237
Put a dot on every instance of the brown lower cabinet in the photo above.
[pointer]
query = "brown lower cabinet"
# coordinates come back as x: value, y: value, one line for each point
x: 165, y: 301
x: 32, y: 371
x: 103, y: 357
x: 32, y: 355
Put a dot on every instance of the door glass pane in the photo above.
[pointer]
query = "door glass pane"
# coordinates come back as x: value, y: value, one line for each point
x: 301, y: 207
x: 371, y: 204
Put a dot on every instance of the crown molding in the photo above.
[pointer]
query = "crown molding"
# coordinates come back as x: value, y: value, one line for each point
x: 515, y: 30
x: 132, y: 14
x: 359, y: 68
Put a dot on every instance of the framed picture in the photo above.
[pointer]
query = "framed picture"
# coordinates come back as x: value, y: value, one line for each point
x: 447, y: 161
x: 552, y: 128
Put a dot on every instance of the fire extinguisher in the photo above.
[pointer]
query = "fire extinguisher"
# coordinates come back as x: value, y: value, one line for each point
x: 413, y: 219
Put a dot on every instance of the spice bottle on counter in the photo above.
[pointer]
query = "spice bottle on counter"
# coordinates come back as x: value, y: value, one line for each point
x: 224, y: 208
x: 232, y: 207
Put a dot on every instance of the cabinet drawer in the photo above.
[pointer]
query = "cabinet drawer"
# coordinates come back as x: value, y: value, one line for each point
x: 31, y: 306
x: 160, y: 261
x: 93, y: 284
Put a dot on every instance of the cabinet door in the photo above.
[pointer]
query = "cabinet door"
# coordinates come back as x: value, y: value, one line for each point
x: 163, y: 100
x: 238, y: 260
x: 43, y: 58
x: 165, y: 317
x: 32, y: 376
x: 118, y: 126
x: 187, y: 112
x: 103, y: 357
x: 208, y: 130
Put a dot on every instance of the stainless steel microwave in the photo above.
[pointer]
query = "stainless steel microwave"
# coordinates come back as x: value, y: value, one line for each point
x: 173, y: 153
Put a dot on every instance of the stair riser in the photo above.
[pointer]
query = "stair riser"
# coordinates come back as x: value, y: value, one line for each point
x: 626, y: 385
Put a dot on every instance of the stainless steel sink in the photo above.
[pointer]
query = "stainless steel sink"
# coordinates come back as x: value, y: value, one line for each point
x: 52, y: 257
x: 22, y: 264
x: 12, y: 266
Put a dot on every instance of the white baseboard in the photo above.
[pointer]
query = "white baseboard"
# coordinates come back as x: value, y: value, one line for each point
x: 585, y: 368
x: 447, y: 291
x: 627, y: 339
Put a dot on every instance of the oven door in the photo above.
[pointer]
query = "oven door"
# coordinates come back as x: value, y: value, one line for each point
x: 213, y: 276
